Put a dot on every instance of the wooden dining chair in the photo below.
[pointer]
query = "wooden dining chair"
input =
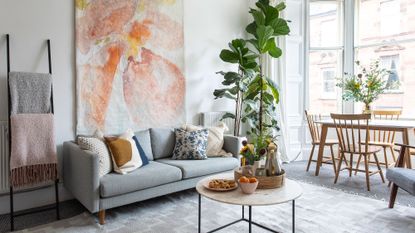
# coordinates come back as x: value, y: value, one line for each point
x: 353, y: 135
x: 315, y: 141
x: 384, y: 138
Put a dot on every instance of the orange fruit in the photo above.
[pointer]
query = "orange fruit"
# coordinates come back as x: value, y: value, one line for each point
x: 243, y: 179
x: 252, y: 180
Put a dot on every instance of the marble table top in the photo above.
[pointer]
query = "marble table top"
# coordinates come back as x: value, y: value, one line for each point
x: 291, y: 190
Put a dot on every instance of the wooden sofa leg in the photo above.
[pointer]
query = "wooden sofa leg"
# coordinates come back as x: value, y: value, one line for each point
x: 394, y: 192
x: 101, y: 216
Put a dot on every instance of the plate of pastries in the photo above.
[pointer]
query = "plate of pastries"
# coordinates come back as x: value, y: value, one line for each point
x: 221, y: 185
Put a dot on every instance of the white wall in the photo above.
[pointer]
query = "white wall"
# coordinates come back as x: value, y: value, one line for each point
x: 209, y: 25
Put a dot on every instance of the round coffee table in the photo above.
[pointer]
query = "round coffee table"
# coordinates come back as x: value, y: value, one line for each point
x: 290, y: 191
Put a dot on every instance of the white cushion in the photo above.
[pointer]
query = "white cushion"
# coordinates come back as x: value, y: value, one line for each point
x: 97, y: 146
x: 135, y: 161
x: 215, y: 139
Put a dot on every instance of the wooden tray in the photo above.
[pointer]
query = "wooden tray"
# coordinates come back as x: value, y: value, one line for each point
x: 265, y: 182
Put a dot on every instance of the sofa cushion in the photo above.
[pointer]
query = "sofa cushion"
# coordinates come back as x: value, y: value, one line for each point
x: 154, y: 174
x: 143, y: 137
x: 190, y: 145
x: 162, y: 142
x: 404, y: 178
x: 196, y: 168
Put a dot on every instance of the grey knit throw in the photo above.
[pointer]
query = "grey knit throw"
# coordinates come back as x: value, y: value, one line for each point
x: 30, y: 92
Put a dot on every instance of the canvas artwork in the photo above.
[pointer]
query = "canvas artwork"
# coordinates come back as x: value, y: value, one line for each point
x: 130, y: 63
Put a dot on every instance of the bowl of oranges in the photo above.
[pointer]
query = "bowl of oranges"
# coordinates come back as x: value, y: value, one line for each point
x: 248, y: 185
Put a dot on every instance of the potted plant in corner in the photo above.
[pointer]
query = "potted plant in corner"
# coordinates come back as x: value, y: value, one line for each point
x: 255, y: 93
x: 366, y: 86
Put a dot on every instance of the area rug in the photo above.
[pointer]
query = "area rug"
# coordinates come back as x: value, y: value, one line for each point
x: 318, y: 210
x: 353, y: 185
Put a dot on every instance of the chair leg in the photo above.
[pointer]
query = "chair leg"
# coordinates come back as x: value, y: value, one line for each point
x: 311, y: 157
x: 379, y: 168
x: 386, y: 157
x: 367, y: 172
x: 101, y: 216
x: 394, y: 192
x: 339, y: 167
x: 333, y: 159
x: 393, y: 154
x: 358, y: 164
x: 351, y: 165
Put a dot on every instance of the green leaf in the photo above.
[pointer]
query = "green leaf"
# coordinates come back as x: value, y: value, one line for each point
x: 271, y: 14
x: 250, y: 65
x: 264, y: 33
x: 237, y: 45
x: 229, y: 56
x: 262, y: 4
x: 251, y: 56
x: 254, y: 42
x: 280, y: 27
x: 272, y: 48
x: 231, y: 78
x: 274, y: 89
x: 223, y: 93
x: 234, y: 90
x: 228, y: 115
x: 259, y: 17
x: 281, y: 6
x: 251, y: 28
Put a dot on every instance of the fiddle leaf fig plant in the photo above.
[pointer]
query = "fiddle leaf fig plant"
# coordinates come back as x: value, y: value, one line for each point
x: 255, y: 94
x: 236, y: 83
x: 262, y: 95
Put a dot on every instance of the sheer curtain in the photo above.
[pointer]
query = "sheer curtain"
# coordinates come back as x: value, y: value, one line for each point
x: 274, y: 69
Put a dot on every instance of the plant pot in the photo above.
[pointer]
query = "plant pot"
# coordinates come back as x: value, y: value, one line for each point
x: 264, y: 182
x: 249, y: 170
x: 367, y: 109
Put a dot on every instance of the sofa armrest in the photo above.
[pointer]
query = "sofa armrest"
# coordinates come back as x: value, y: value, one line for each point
x: 233, y: 144
x: 80, y: 174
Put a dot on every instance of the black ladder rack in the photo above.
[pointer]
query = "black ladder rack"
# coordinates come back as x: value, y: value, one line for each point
x: 12, y: 214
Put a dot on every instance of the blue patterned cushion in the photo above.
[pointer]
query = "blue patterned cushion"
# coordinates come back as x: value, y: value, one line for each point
x: 190, y: 145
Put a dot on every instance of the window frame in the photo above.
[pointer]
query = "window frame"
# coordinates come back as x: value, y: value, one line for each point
x: 349, y: 47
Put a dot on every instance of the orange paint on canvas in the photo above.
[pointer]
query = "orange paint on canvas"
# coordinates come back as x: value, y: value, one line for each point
x: 97, y: 84
x: 137, y: 37
x: 102, y: 18
x: 154, y: 90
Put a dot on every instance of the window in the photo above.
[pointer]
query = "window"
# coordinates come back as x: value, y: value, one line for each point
x: 381, y: 30
x: 329, y: 82
x: 389, y: 37
x: 391, y: 63
x: 325, y: 55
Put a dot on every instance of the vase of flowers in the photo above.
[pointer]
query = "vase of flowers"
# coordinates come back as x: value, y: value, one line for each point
x: 366, y: 86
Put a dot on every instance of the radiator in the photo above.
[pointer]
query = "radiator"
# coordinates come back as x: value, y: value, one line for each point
x: 4, y: 157
x: 209, y: 119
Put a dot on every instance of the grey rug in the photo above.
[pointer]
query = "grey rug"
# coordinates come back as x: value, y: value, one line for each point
x: 354, y: 185
x: 318, y: 210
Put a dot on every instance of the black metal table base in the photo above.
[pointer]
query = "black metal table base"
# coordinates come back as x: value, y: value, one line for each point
x: 243, y: 219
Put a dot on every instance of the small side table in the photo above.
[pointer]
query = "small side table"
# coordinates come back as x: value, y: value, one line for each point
x: 290, y: 191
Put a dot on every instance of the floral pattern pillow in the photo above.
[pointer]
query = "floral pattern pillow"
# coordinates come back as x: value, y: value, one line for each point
x: 190, y: 145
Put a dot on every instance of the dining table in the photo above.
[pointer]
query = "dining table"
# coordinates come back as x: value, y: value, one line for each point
x: 405, y: 127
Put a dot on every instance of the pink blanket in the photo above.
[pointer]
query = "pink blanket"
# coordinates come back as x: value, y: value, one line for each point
x: 33, y: 150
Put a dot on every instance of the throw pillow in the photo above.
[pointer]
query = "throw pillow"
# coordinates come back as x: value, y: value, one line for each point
x: 190, y: 145
x: 97, y: 146
x: 125, y: 153
x: 215, y: 139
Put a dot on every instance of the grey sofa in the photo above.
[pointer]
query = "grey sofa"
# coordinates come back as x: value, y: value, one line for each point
x: 160, y: 177
x: 401, y: 177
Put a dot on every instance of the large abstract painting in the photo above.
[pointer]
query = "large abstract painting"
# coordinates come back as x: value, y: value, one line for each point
x: 129, y: 58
